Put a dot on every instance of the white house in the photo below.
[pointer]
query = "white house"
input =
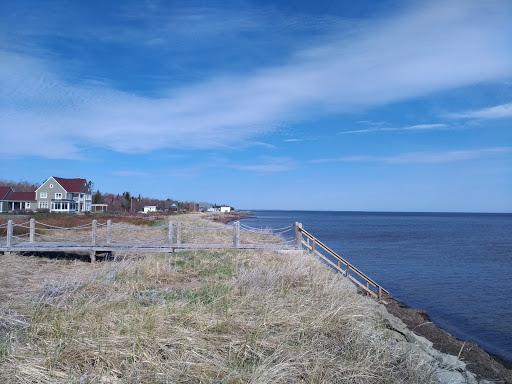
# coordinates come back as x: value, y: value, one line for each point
x: 56, y: 194
x: 149, y: 208
x: 220, y: 209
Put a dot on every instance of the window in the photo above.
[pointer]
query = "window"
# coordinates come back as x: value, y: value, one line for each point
x: 27, y: 205
x: 51, y: 185
x: 58, y: 196
x: 43, y: 195
x: 43, y: 204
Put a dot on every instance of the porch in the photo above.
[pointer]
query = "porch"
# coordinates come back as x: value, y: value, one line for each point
x: 63, y: 206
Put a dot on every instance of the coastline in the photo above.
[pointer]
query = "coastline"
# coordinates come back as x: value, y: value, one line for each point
x: 226, y: 218
x: 478, y: 361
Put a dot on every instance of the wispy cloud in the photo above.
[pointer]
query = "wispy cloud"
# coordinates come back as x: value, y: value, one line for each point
x: 293, y: 140
x: 424, y: 50
x: 421, y: 157
x: 268, y: 165
x: 496, y: 112
x: 417, y: 127
x: 262, y: 144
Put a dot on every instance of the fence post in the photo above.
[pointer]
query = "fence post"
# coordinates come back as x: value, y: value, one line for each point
x: 32, y: 230
x: 170, y: 233
x: 236, y: 234
x: 93, y: 234
x: 298, y: 235
x: 178, y: 233
x: 109, y: 231
x: 9, y: 234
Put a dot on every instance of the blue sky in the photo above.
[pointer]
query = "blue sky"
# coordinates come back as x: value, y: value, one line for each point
x: 388, y: 106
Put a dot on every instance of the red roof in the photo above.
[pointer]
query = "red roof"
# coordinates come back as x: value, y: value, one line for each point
x: 73, y: 185
x: 21, y: 196
x: 4, y: 191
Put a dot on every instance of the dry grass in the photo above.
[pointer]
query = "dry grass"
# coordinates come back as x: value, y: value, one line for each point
x: 193, y: 317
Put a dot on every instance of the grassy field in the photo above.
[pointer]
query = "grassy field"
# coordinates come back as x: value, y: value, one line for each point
x: 193, y: 317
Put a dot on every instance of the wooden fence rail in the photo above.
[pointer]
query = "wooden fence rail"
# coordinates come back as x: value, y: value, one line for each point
x: 306, y: 240
x: 166, y: 236
x: 35, y: 236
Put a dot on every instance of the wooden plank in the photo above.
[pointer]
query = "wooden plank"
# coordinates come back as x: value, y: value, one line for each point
x: 362, y: 286
x: 333, y: 253
x: 329, y: 261
x: 73, y: 247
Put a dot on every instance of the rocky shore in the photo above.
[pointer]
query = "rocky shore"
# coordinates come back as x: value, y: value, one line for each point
x: 457, y: 361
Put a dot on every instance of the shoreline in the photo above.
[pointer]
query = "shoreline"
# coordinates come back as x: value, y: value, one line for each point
x: 478, y: 361
x: 226, y: 218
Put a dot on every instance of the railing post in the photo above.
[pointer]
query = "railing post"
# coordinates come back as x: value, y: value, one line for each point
x: 170, y: 233
x: 236, y: 234
x: 298, y: 235
x: 9, y: 234
x: 93, y: 234
x: 313, y: 247
x: 380, y: 293
x: 178, y: 233
x: 32, y: 230
x: 109, y: 231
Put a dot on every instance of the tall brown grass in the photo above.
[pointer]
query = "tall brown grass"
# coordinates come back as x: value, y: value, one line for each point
x: 193, y: 317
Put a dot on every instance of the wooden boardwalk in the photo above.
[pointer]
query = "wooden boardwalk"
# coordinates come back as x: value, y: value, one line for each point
x: 108, y: 237
x: 33, y: 236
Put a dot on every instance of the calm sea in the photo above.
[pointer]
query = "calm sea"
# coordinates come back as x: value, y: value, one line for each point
x: 458, y: 267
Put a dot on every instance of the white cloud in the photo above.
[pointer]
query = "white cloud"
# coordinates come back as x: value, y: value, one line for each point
x: 268, y: 165
x: 417, y: 127
x: 421, y: 51
x: 421, y: 157
x: 496, y: 112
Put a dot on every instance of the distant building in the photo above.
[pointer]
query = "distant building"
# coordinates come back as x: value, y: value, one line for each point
x: 99, y: 208
x: 56, y: 194
x: 11, y: 200
x: 149, y: 208
x: 220, y: 209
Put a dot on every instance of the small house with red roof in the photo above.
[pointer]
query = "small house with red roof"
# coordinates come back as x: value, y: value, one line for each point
x: 4, y: 192
x: 11, y: 200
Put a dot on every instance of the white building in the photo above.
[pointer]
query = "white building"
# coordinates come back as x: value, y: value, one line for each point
x: 149, y: 208
x: 220, y: 208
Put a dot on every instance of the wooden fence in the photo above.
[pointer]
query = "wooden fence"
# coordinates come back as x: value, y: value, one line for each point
x: 305, y: 240
x: 166, y: 236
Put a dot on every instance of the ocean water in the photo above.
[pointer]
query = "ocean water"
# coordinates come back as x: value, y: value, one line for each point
x: 458, y: 267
